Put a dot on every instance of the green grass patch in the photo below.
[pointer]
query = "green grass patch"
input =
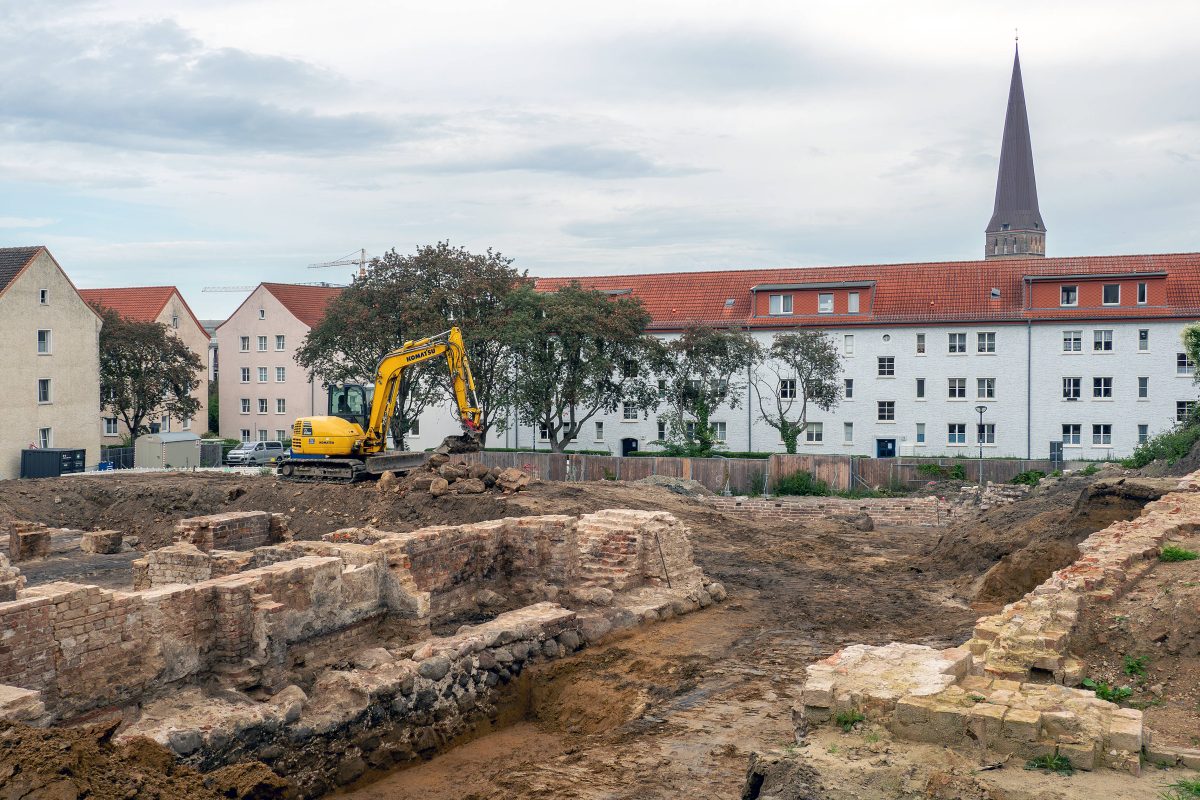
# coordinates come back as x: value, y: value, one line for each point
x: 846, y: 720
x: 1182, y: 790
x: 1176, y: 553
x: 1058, y: 764
x: 1113, y: 694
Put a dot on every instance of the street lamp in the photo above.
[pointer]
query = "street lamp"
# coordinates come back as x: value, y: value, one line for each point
x: 979, y: 435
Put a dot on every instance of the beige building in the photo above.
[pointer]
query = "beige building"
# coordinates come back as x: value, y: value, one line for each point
x: 51, y: 359
x: 262, y: 388
x: 165, y: 305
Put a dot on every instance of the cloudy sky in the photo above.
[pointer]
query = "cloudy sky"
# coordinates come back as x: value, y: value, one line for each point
x: 224, y: 143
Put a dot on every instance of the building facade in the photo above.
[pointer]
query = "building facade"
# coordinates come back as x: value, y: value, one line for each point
x: 51, y: 358
x: 261, y: 389
x: 166, y: 306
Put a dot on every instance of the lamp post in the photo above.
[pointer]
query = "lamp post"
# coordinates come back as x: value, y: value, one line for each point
x: 979, y: 435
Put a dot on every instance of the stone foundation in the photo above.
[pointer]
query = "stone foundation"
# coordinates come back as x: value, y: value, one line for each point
x: 1008, y: 688
x: 28, y: 540
x: 883, y: 511
x: 236, y: 530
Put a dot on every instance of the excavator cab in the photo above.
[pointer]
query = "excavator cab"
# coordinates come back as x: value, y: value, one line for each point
x: 351, y: 402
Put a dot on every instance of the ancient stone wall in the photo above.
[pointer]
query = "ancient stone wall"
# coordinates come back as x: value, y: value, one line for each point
x: 236, y: 530
x: 882, y: 510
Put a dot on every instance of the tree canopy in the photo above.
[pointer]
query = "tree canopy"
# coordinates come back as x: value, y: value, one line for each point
x: 801, y: 367
x: 145, y: 372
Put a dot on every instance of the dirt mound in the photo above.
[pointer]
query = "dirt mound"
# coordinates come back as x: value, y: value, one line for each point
x: 1018, y: 546
x: 57, y: 763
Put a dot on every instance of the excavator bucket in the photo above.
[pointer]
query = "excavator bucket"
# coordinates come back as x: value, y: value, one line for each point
x: 465, y: 443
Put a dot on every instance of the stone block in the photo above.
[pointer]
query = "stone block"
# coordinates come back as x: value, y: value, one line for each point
x: 1082, y: 756
x: 101, y: 542
x: 986, y: 721
x: 1022, y: 725
x: 20, y: 705
x: 1124, y: 734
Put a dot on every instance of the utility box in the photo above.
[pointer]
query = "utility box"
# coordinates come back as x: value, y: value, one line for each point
x: 50, y: 462
x: 167, y: 451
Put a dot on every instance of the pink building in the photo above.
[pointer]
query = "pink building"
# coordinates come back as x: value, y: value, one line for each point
x: 262, y: 390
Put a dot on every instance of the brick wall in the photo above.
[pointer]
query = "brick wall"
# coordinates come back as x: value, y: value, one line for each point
x: 236, y: 530
x: 883, y: 510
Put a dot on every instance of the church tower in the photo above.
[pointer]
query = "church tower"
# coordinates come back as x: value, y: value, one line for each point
x: 1016, y: 229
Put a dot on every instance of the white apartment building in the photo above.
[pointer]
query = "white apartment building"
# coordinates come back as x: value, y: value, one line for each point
x: 1083, y: 351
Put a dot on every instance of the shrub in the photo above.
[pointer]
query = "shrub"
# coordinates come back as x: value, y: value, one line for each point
x: 1135, y: 665
x: 846, y: 720
x: 931, y: 470
x: 958, y: 473
x: 801, y: 483
x: 1176, y: 553
x: 1113, y: 694
x: 1029, y: 477
x: 1090, y: 470
x: 1169, y: 446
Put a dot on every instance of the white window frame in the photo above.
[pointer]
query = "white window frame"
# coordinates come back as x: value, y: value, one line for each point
x: 629, y: 411
x: 720, y: 430
x: 49, y: 386
x: 244, y: 344
x: 543, y: 432
x: 281, y: 374
x: 1143, y: 387
x: 263, y: 374
x: 824, y: 302
x: 1102, y: 434
x: 111, y: 426
x: 1072, y: 388
x: 956, y: 434
x: 779, y: 305
x: 245, y: 405
x: 885, y: 366
x: 848, y: 344
x: 43, y: 297
x: 985, y: 388
x: 45, y: 438
x: 245, y: 374
x: 245, y: 434
x: 280, y: 405
x: 1102, y: 388
x: 787, y: 389
x: 280, y: 343
x: 598, y: 431
x: 890, y: 411
x: 49, y: 341
x: 852, y: 303
x: 262, y: 344
x: 262, y: 313
x: 1143, y: 340
x: 920, y: 344
x: 985, y: 434
x: 263, y: 405
x: 1182, y: 407
x: 1072, y: 341
x: 1062, y: 295
x: 1184, y: 365
x: 1143, y: 293
x: 848, y: 432
x: 985, y: 342
x: 1102, y: 340
x: 1072, y: 434
x: 814, y: 433
x: 848, y: 388
x: 956, y: 388
x: 956, y: 344
x: 920, y: 388
x: 1104, y: 291
x: 920, y: 436
x: 1143, y: 433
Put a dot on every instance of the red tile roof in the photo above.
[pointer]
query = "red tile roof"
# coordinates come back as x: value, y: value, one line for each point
x: 953, y: 291
x: 142, y: 303
x: 307, y: 303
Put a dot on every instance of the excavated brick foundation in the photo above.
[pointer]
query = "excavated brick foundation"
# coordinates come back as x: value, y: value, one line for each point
x: 1009, y: 689
x: 324, y: 658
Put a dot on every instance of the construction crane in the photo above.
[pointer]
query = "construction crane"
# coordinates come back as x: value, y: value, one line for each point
x: 348, y: 260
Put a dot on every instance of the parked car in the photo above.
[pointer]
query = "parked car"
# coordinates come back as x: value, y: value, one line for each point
x: 250, y: 454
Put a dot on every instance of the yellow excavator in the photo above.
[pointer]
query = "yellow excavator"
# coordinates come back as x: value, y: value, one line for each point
x: 351, y: 442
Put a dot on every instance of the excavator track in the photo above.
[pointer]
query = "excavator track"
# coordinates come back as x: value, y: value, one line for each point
x: 321, y: 470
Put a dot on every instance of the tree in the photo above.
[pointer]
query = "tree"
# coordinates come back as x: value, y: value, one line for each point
x: 145, y: 372
x: 1191, y: 346
x: 407, y: 297
x: 804, y: 367
x: 577, y: 353
x: 700, y: 372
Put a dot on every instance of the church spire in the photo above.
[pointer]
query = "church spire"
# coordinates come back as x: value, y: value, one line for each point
x: 1016, y: 229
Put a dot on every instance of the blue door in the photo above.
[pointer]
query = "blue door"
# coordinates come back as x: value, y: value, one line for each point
x: 885, y: 448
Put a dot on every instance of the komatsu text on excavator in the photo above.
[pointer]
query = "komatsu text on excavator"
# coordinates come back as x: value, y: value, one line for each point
x: 351, y: 442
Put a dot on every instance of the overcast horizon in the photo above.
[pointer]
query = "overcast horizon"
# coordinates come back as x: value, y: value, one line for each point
x: 231, y: 143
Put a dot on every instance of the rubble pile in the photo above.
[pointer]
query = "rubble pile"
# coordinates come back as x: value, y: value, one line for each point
x: 442, y: 475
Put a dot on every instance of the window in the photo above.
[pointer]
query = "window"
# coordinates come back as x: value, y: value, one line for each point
x: 958, y: 389
x: 629, y: 410
x: 599, y: 433
x: 781, y: 304
x: 1102, y: 434
x: 849, y: 390
x: 414, y: 427
x: 262, y: 344
x: 245, y: 344
x: 852, y: 303
x: 629, y: 368
x: 44, y: 297
x: 1183, y: 364
x: 956, y: 433
x: 262, y: 374
x: 1068, y: 296
x: 1071, y: 388
x: 1111, y: 294
x: 1072, y: 341
x: 280, y: 435
x: 245, y: 374
x: 1143, y: 340
x: 987, y: 343
x: 920, y: 344
x: 245, y: 405
x: 175, y: 322
x: 1142, y: 296
x: 887, y: 366
x: 1143, y: 430
x: 787, y: 389
x: 719, y: 431
x: 848, y: 346
x: 262, y: 435
x: 262, y: 405
x: 1143, y: 388
x: 985, y: 388
x: 1184, y: 409
x: 280, y: 374
x: 1102, y: 388
x: 958, y: 343
x: 280, y: 405
x: 814, y: 433
x: 886, y: 411
x: 43, y: 390
x: 848, y: 432
x: 985, y: 434
x: 45, y: 437
x: 824, y: 303
x: 245, y: 434
x: 662, y: 430
x: 920, y: 388
x: 543, y: 432
x: 262, y: 313
x: 1102, y: 341
x: 1070, y: 434
x: 280, y: 342
x: 110, y: 426
x: 920, y: 433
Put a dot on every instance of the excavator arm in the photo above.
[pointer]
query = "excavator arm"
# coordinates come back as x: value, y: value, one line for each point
x: 391, y: 370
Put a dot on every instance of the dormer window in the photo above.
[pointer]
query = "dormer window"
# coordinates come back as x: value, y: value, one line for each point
x: 825, y: 303
x: 1004, y: 226
x: 781, y: 304
x: 1069, y: 296
x: 852, y: 303
x: 1112, y: 294
x: 1142, y: 294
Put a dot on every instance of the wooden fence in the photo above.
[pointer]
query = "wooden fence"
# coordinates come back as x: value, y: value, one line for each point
x: 752, y: 475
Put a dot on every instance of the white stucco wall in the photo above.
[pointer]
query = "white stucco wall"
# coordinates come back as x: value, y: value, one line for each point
x: 73, y: 366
